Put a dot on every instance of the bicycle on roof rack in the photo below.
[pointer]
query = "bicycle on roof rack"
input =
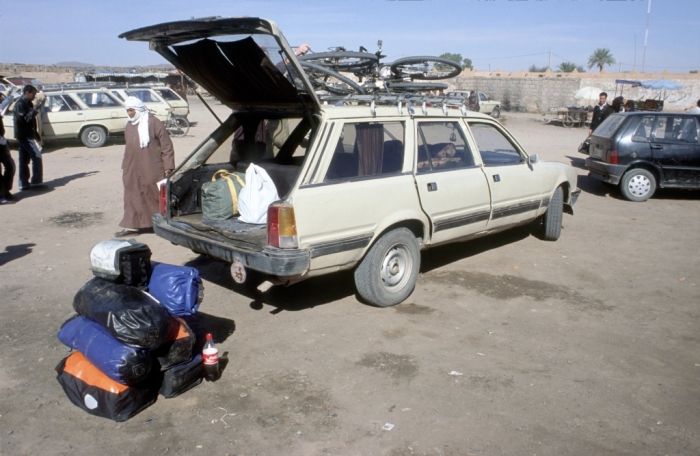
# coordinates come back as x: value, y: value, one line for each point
x: 407, y: 74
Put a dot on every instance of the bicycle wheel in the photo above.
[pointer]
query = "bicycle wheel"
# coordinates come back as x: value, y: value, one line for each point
x: 177, y: 126
x: 425, y: 67
x: 404, y: 86
x: 325, y: 78
x: 342, y: 60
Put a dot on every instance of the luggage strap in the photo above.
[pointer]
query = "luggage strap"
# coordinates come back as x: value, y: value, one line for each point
x: 232, y: 190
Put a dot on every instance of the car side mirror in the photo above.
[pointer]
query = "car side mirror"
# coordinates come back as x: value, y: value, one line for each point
x: 532, y: 159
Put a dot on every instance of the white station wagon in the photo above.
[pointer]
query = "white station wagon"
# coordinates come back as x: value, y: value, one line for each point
x: 362, y: 187
x: 91, y: 115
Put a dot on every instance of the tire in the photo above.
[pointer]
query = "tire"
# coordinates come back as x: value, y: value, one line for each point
x: 325, y: 78
x: 93, y: 136
x: 177, y: 126
x: 551, y: 220
x: 425, y: 68
x: 403, y: 86
x: 638, y: 184
x: 349, y: 61
x: 182, y: 124
x: 252, y: 279
x: 387, y: 274
x: 496, y: 113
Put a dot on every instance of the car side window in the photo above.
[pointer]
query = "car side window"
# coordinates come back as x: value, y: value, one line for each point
x: 144, y: 95
x: 72, y: 103
x: 56, y: 103
x: 643, y: 131
x: 98, y: 99
x: 685, y: 130
x: 495, y: 148
x: 367, y: 149
x: 441, y: 146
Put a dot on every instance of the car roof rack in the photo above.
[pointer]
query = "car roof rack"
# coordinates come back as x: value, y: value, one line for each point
x: 76, y: 85
x: 409, y: 100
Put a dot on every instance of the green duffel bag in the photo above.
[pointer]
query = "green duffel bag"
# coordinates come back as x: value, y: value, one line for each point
x: 220, y: 196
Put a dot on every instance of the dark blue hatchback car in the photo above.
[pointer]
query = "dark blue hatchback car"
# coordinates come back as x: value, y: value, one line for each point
x: 643, y: 151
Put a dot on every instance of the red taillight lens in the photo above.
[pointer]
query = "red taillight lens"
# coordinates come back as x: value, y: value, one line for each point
x: 281, y: 226
x: 613, y: 157
x: 162, y: 201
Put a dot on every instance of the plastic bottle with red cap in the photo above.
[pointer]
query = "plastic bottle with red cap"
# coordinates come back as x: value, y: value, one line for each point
x: 210, y: 359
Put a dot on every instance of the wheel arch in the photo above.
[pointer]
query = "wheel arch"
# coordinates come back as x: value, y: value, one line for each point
x: 93, y: 124
x: 655, y: 170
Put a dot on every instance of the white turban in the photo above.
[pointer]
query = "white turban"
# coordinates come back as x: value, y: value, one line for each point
x: 140, y: 118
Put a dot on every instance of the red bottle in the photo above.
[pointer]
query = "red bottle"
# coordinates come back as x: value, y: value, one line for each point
x: 210, y: 358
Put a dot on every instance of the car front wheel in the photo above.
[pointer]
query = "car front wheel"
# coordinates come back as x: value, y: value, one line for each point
x: 496, y: 113
x: 551, y: 220
x: 638, y: 184
x: 387, y: 274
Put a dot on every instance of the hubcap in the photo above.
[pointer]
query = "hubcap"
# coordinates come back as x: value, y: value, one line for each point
x: 639, y: 185
x: 396, y: 267
x: 94, y: 136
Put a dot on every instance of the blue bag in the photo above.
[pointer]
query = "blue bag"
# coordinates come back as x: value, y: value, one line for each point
x: 178, y: 288
x: 122, y: 363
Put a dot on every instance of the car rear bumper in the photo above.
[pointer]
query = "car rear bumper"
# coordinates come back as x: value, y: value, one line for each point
x: 286, y: 263
x: 605, y: 172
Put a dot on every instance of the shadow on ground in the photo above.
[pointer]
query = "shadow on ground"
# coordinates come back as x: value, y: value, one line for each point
x: 332, y: 287
x: 49, y: 186
x: 13, y: 252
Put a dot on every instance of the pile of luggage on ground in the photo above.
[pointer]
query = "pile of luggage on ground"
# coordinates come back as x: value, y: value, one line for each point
x: 132, y: 336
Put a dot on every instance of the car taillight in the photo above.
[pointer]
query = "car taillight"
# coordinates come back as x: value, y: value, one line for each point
x: 162, y: 201
x: 613, y: 157
x: 281, y: 226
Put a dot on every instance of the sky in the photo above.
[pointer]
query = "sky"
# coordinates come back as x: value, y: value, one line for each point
x: 506, y: 35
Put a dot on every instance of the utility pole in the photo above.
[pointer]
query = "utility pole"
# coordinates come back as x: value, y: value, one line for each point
x: 549, y: 61
x: 646, y: 35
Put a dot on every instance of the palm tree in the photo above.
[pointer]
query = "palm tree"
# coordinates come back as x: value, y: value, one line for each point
x: 567, y: 67
x: 600, y: 58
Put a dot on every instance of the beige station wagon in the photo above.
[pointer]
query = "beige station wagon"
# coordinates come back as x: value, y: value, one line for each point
x: 91, y: 115
x: 362, y: 187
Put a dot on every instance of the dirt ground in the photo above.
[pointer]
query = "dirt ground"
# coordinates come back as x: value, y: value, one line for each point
x: 509, y: 345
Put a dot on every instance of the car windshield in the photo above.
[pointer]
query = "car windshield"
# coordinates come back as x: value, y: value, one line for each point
x: 609, y: 126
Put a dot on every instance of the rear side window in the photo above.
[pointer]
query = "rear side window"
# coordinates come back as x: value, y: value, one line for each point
x: 643, y: 131
x: 441, y: 146
x: 56, y: 103
x: 609, y: 126
x: 144, y: 95
x: 495, y: 148
x: 98, y: 99
x: 367, y: 149
x: 168, y: 94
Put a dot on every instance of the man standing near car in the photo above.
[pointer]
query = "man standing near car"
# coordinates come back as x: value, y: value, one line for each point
x: 7, y: 164
x: 148, y: 158
x: 27, y: 136
x: 601, y: 111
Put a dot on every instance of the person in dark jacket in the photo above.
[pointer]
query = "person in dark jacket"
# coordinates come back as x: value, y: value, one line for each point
x: 8, y: 165
x: 27, y: 137
x: 601, y: 111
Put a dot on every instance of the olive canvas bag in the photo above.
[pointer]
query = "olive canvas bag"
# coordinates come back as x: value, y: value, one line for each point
x: 220, y: 196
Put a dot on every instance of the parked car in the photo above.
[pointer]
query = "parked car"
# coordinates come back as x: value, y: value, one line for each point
x: 486, y: 104
x: 154, y: 102
x: 362, y: 187
x: 92, y: 115
x: 643, y: 151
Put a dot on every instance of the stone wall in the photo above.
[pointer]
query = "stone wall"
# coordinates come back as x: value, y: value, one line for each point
x: 541, y: 92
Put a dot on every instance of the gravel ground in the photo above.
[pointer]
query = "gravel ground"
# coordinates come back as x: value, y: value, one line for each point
x: 509, y: 345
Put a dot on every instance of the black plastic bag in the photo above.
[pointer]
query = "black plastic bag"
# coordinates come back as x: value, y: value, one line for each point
x: 129, y: 314
x: 181, y: 377
x: 90, y: 389
x: 177, y: 350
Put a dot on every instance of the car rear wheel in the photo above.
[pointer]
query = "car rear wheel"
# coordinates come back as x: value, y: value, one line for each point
x: 551, y: 220
x: 496, y: 113
x: 638, y: 184
x: 387, y: 274
x: 93, y: 136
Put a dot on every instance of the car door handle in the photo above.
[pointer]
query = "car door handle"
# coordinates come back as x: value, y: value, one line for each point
x: 657, y: 146
x: 496, y: 178
x: 432, y: 186
x: 78, y: 113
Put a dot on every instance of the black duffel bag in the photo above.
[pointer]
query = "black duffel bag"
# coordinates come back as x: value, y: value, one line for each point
x: 129, y: 314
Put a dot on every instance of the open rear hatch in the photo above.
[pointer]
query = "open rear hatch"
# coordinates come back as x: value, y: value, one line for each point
x: 246, y: 63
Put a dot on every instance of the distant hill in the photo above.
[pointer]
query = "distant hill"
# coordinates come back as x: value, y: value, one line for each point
x: 74, y: 64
